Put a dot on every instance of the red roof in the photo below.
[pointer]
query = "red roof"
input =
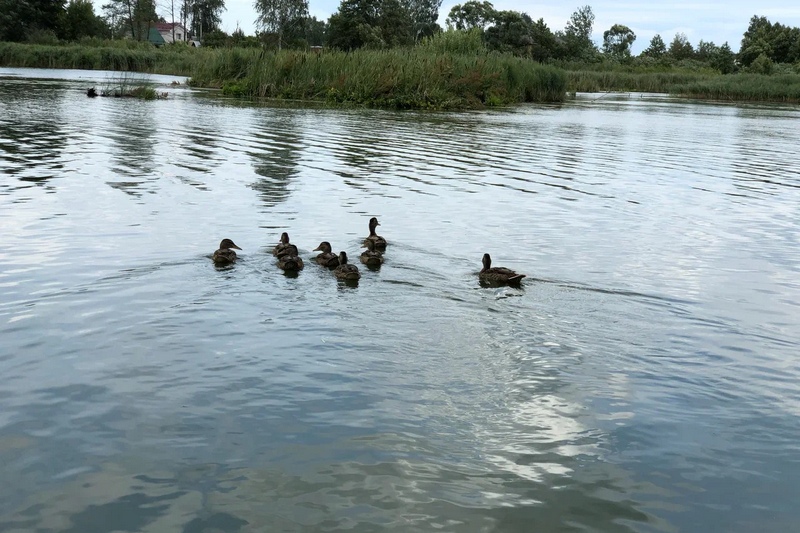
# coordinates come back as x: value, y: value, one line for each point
x: 167, y: 26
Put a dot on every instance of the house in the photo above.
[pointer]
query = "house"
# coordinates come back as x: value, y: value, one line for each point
x: 170, y: 32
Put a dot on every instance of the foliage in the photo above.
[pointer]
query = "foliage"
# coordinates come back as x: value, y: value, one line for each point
x: 19, y: 18
x: 78, y: 20
x: 471, y: 14
x: 423, y: 14
x: 202, y: 16
x: 281, y: 17
x: 408, y: 78
x: 454, y: 42
x: 745, y: 87
x: 680, y: 47
x: 578, y: 34
x: 779, y: 43
x: 617, y: 41
x: 761, y: 65
x: 510, y: 32
x: 656, y: 49
x: 370, y: 24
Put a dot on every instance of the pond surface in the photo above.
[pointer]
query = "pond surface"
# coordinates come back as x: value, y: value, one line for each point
x: 644, y: 378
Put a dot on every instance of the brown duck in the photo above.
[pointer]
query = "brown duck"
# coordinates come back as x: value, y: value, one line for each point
x: 380, y: 242
x: 284, y: 247
x: 225, y: 254
x: 498, y: 274
x: 371, y: 257
x: 327, y: 258
x: 345, y: 271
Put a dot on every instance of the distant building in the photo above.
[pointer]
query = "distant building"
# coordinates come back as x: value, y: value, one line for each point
x: 170, y: 32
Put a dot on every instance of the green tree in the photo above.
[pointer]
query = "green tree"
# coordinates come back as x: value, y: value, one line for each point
x: 578, y: 35
x: 511, y: 32
x: 617, y: 41
x: 680, y: 47
x: 79, y: 20
x: 369, y: 23
x: 656, y: 49
x: 282, y: 17
x: 723, y: 59
x: 472, y: 14
x: 545, y: 45
x: 19, y: 18
x: 423, y: 14
x: 755, y: 40
x: 316, y: 31
x: 202, y: 16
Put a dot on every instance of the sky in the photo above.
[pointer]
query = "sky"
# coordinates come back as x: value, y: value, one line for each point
x: 717, y: 22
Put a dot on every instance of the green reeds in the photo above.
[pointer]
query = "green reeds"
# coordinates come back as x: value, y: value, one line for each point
x: 407, y: 78
x: 593, y: 81
x: 745, y: 87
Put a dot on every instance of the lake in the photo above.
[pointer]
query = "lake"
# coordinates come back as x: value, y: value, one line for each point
x: 644, y: 378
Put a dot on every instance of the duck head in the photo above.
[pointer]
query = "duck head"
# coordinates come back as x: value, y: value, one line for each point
x: 342, y: 258
x: 324, y: 247
x: 487, y: 262
x: 284, y: 238
x: 373, y: 223
x: 227, y: 244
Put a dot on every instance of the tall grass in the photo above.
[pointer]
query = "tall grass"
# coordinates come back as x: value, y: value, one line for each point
x: 138, y: 57
x: 409, y: 78
x: 593, y: 81
x: 745, y: 87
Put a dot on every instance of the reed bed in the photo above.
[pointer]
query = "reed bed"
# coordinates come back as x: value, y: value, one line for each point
x: 593, y: 81
x: 409, y: 78
x: 745, y: 87
x: 178, y: 60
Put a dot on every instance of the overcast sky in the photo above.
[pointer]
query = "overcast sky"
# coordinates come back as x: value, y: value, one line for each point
x: 710, y: 21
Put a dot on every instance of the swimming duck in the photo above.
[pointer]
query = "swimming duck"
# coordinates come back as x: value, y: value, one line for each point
x: 345, y: 271
x: 290, y: 262
x: 371, y: 257
x: 498, y: 274
x: 225, y: 254
x: 380, y: 242
x: 327, y: 258
x: 284, y: 247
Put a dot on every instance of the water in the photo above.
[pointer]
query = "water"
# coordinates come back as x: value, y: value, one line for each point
x: 645, y: 378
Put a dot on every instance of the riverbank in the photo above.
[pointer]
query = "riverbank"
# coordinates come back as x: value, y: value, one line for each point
x: 435, y: 75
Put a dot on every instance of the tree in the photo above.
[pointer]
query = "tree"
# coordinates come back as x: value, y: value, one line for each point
x: 18, y: 18
x: 281, y: 17
x: 680, y: 47
x: 617, y: 41
x: 544, y: 45
x: 578, y: 34
x: 657, y: 48
x: 316, y: 31
x: 756, y: 40
x: 472, y: 14
x: 424, y: 14
x: 79, y: 20
x: 202, y: 16
x: 511, y: 32
x: 723, y: 59
x: 369, y: 23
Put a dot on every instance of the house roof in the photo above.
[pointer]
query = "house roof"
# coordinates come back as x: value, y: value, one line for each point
x: 167, y: 26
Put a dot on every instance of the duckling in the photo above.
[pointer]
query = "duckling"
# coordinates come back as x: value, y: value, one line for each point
x: 498, y: 274
x: 380, y: 242
x: 290, y: 262
x: 371, y: 257
x: 284, y: 247
x: 225, y: 254
x: 345, y: 271
x: 327, y: 258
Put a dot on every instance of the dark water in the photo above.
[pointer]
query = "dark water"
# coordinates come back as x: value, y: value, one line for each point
x: 645, y: 378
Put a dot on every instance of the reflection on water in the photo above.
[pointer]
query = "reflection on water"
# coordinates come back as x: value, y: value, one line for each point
x: 644, y: 378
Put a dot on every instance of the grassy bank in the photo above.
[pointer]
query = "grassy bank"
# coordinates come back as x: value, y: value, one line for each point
x: 647, y: 82
x: 745, y: 87
x: 415, y: 78
x: 128, y: 56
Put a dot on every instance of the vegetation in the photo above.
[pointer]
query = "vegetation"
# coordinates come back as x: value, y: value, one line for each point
x: 428, y: 76
x: 491, y: 52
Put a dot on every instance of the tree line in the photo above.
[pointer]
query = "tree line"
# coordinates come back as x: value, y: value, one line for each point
x: 391, y: 23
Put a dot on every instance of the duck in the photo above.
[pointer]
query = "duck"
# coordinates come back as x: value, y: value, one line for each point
x: 225, y: 254
x: 380, y: 242
x: 346, y: 271
x: 290, y: 262
x: 498, y: 274
x: 371, y: 257
x: 284, y: 247
x: 327, y: 258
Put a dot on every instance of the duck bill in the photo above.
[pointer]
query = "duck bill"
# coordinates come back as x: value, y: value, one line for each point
x: 317, y: 249
x: 234, y: 246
